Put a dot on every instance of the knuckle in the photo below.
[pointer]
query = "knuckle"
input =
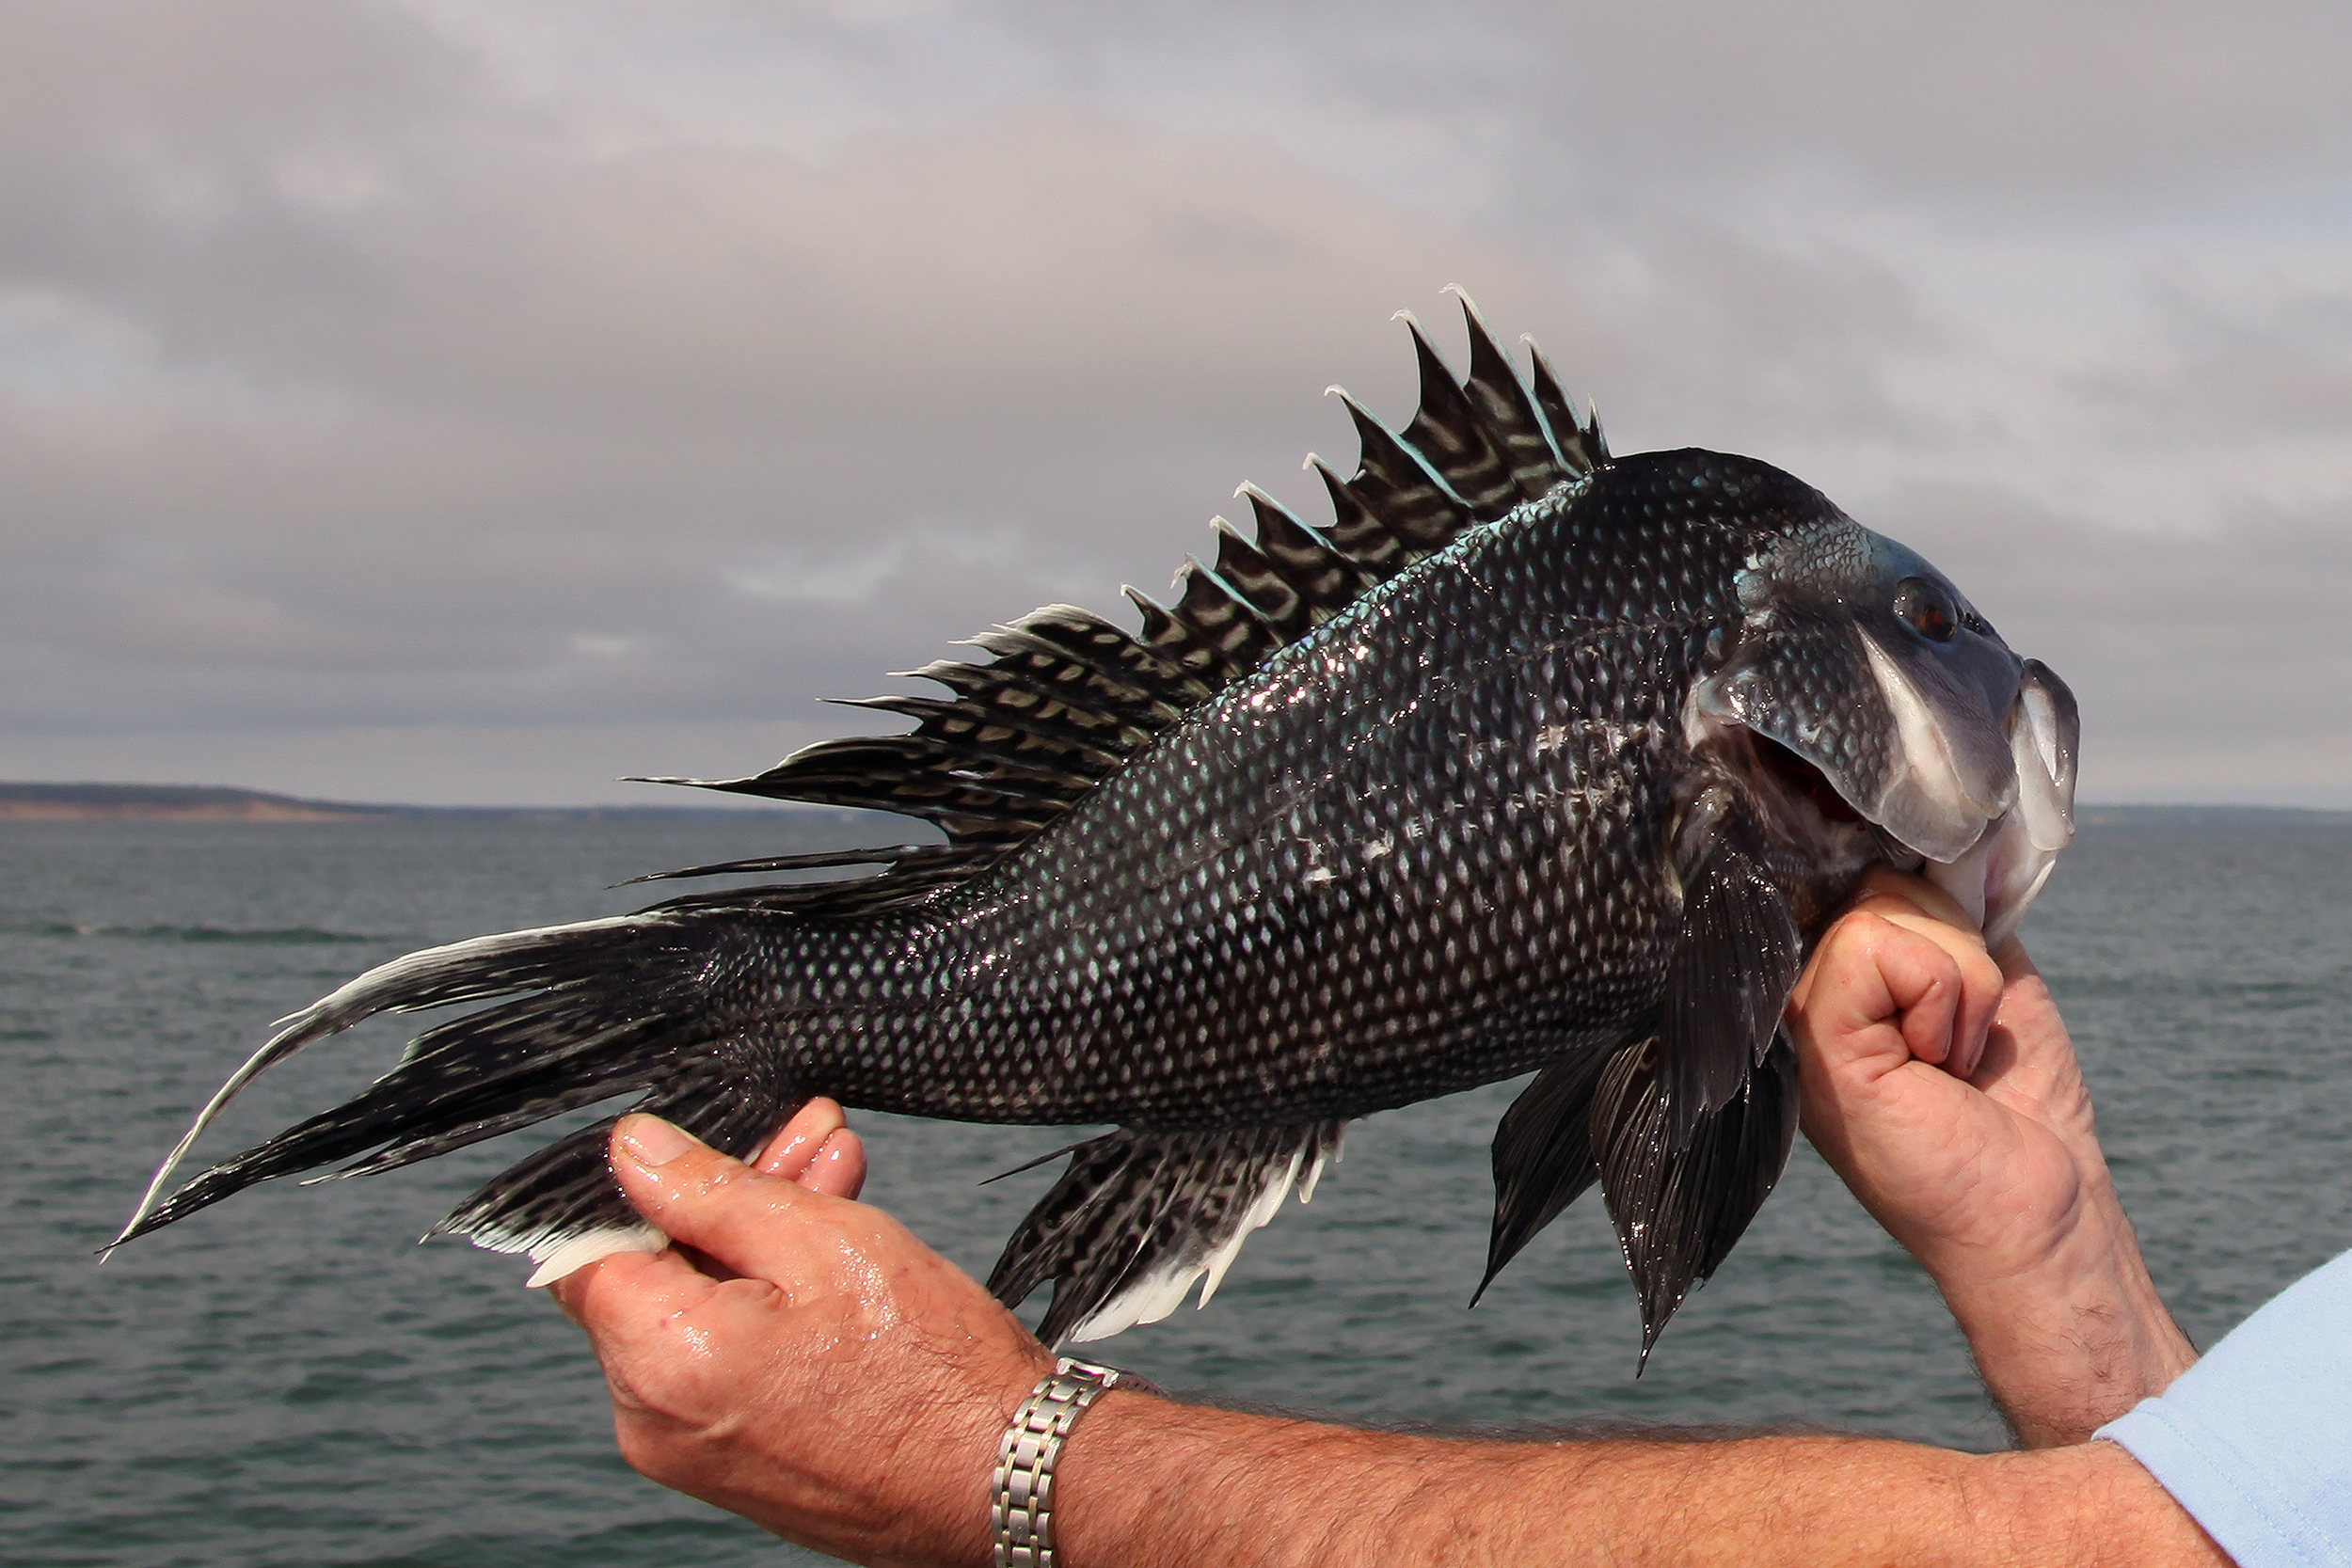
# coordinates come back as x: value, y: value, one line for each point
x: 713, y: 1173
x: 647, y: 1450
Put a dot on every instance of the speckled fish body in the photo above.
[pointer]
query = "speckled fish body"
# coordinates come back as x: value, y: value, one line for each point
x: 1530, y: 760
x: 1423, y: 849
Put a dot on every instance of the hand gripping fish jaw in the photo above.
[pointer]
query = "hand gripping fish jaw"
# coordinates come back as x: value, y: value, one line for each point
x: 1527, y: 759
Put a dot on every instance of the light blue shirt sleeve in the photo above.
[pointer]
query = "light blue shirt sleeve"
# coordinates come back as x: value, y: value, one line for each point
x: 2255, y: 1440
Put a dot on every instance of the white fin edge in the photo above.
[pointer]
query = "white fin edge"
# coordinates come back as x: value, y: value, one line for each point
x: 559, y: 1258
x: 1146, y: 1301
x: 1268, y: 1205
x: 1157, y: 1294
x: 1315, y: 1171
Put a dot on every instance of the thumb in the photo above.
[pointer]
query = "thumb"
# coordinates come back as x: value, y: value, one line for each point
x: 701, y: 1198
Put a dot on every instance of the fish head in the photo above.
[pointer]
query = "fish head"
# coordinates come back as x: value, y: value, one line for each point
x: 1861, y: 661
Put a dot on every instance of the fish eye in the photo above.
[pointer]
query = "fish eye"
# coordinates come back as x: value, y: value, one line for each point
x: 1927, y: 608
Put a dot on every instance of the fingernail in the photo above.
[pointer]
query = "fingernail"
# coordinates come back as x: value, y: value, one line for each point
x: 653, y: 1141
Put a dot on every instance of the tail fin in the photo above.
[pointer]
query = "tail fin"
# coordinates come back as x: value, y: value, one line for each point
x: 580, y: 1013
x: 1138, y: 1217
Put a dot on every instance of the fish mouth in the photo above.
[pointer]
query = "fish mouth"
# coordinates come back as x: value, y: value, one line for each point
x: 1995, y: 880
x: 1792, y: 778
x: 1991, y: 856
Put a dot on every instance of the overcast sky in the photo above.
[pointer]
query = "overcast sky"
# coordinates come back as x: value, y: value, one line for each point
x: 471, y: 401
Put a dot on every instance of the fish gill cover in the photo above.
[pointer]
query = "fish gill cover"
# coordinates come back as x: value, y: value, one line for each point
x: 1529, y: 759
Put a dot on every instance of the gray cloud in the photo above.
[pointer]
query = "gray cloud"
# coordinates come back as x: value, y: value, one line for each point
x: 2107, y: 101
x: 608, y: 377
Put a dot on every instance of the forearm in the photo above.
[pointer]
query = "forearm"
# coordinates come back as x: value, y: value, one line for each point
x: 1147, y: 1483
x: 2075, y: 1341
x: 1979, y: 1153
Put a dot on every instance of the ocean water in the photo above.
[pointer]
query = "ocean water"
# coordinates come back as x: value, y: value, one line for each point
x: 286, y: 1380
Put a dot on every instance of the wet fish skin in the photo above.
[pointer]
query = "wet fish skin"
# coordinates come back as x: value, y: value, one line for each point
x: 1532, y: 759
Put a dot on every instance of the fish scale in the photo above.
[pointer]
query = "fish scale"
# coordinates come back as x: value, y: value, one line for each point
x: 1531, y: 759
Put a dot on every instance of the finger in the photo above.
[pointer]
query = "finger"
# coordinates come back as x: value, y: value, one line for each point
x: 1879, y: 992
x: 628, y: 1289
x: 1949, y: 1027
x: 840, y: 1168
x: 797, y: 1141
x: 751, y: 1225
x: 1884, y: 881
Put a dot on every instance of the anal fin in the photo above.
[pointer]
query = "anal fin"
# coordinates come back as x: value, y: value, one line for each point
x: 1138, y: 1217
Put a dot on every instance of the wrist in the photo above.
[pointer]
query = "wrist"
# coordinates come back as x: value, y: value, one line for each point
x: 2068, y: 1335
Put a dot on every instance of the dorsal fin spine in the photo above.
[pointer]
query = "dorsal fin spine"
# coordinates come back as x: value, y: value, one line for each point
x: 1579, y: 442
x: 1248, y: 573
x: 1222, y: 618
x: 1396, y: 486
x: 1499, y: 399
x: 1355, y: 533
x: 1323, y: 575
x: 1176, y: 640
x: 1447, y: 435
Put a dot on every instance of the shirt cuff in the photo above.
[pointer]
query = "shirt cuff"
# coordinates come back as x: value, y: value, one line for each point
x: 2231, y: 1499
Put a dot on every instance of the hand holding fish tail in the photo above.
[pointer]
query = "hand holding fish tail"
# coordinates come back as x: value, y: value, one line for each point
x: 799, y: 1358
x: 1940, y: 1083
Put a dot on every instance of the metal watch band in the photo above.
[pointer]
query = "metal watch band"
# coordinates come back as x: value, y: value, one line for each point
x: 1021, y: 1497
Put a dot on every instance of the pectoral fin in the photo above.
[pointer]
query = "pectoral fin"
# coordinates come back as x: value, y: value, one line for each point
x: 1737, y: 959
x: 1543, y: 1156
x: 1678, y: 1211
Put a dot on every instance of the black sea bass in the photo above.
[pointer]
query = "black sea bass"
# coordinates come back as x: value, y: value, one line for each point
x: 1531, y: 759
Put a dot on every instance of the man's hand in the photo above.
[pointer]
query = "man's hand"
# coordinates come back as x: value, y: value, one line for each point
x: 799, y: 1358
x: 1940, y: 1083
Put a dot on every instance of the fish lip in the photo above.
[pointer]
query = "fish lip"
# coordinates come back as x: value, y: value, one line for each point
x: 1937, y: 804
x: 2045, y: 738
x: 2001, y: 874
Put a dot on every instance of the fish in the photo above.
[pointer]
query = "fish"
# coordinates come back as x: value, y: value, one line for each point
x: 1529, y: 759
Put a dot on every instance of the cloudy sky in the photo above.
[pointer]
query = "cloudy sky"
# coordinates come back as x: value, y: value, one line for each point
x: 471, y: 401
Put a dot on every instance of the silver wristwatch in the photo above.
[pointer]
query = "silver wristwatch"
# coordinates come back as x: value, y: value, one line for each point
x: 1020, y: 1506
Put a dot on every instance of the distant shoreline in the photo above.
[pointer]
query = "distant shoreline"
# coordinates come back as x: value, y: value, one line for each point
x: 141, y: 803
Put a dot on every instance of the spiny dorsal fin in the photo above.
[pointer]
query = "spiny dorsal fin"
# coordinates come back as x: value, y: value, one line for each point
x: 1582, y: 445
x: 1450, y: 437
x: 1325, y: 578
x: 1400, y: 489
x: 1354, y: 532
x: 1513, y: 424
x: 1244, y: 569
x: 1064, y: 698
x: 1223, y: 620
